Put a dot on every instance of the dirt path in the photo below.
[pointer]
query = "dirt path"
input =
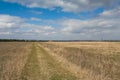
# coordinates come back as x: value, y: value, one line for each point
x: 50, y: 68
x: 42, y: 66
x: 31, y: 69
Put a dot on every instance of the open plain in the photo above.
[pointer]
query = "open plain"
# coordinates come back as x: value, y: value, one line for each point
x: 59, y: 60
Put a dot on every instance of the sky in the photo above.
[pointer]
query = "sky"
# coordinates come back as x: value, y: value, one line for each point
x: 60, y: 19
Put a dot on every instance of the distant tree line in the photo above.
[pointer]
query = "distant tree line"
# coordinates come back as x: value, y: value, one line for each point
x: 23, y: 40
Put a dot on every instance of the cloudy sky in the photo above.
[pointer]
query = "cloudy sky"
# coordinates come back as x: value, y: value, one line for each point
x: 60, y: 19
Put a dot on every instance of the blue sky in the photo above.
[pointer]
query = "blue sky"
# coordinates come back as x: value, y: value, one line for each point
x: 60, y: 19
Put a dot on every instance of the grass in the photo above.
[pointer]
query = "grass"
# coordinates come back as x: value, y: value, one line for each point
x: 54, y: 69
x: 95, y: 63
x: 60, y: 61
x: 12, y: 59
x: 31, y: 68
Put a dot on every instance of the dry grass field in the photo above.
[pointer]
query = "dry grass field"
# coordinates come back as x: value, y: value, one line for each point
x: 13, y: 57
x: 91, y: 60
x: 59, y: 61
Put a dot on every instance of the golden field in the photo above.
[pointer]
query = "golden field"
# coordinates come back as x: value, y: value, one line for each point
x: 93, y: 60
x: 59, y: 60
x: 13, y: 57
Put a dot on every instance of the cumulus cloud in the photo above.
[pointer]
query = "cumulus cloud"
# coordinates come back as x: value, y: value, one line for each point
x: 106, y: 23
x: 68, y: 5
x: 7, y: 21
x: 114, y: 13
x: 13, y: 25
x: 39, y: 30
x: 5, y: 33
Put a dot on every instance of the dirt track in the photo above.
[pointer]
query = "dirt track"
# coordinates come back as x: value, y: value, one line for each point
x: 43, y: 66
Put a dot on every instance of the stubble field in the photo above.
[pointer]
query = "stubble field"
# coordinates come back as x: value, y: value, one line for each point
x: 59, y: 61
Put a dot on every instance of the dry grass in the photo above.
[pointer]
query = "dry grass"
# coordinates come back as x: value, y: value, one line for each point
x: 50, y: 68
x: 101, y: 47
x: 13, y: 57
x: 96, y: 60
x: 60, y: 61
x: 31, y: 70
x: 26, y: 61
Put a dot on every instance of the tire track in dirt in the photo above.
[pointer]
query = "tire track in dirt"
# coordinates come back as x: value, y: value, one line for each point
x: 50, y: 68
x: 41, y: 65
x: 31, y: 69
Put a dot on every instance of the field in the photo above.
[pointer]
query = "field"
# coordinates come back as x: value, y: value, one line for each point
x: 59, y: 60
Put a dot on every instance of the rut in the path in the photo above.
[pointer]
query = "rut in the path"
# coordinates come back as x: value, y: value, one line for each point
x: 31, y: 70
x: 42, y: 66
x: 50, y: 68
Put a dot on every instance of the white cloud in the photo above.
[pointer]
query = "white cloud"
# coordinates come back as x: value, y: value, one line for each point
x: 48, y: 28
x: 5, y: 33
x: 18, y: 26
x: 106, y: 23
x: 115, y: 13
x: 7, y: 21
x: 40, y: 30
x: 68, y: 5
x: 35, y: 19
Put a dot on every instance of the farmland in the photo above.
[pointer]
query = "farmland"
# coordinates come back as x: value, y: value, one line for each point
x: 59, y: 61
